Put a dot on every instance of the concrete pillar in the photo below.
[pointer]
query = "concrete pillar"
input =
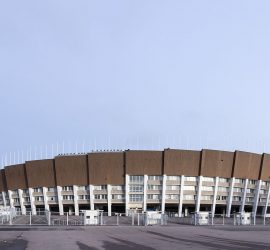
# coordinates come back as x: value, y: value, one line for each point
x: 32, y: 201
x: 215, y: 196
x: 11, y: 203
x: 181, y: 196
x: 60, y: 200
x: 109, y: 199
x: 199, y: 192
x: 23, y: 209
x: 267, y: 200
x: 256, y: 197
x: 230, y: 197
x: 242, y: 208
x: 45, y: 198
x: 163, y: 198
x: 76, y: 204
x: 91, y: 196
x: 145, y: 179
x: 127, y: 193
x: 4, y: 199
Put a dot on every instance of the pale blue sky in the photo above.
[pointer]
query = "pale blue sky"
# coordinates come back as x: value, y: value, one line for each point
x: 128, y: 74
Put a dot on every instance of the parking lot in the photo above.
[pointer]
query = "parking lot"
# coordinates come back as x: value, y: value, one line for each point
x: 124, y: 237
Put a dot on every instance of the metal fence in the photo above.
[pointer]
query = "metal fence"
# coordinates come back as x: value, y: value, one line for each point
x: 122, y: 219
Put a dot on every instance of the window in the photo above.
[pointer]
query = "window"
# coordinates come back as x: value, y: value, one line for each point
x: 38, y: 198
x: 250, y: 190
x: 189, y: 178
x: 153, y: 196
x: 118, y: 188
x: 136, y: 198
x: 241, y: 181
x: 208, y: 179
x: 101, y: 187
x: 38, y: 190
x: 25, y: 191
x: 68, y: 197
x: 252, y: 182
x: 118, y: 197
x: 83, y: 188
x: 263, y: 191
x: 173, y: 178
x: 249, y: 199
x: 172, y: 187
x: 15, y: 192
x: 207, y: 188
x: 27, y: 199
x: 238, y: 190
x: 172, y: 197
x: 84, y: 197
x: 224, y: 180
x: 154, y: 187
x: 16, y: 200
x: 189, y: 197
x: 101, y: 197
x: 237, y: 198
x: 190, y: 188
x: 136, y: 188
x: 223, y: 198
x: 68, y: 188
x: 51, y: 189
x: 207, y: 197
x: 223, y: 189
x: 136, y: 179
x: 52, y: 198
x: 155, y: 177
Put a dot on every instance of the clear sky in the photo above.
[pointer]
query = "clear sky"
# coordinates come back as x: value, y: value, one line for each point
x: 134, y: 74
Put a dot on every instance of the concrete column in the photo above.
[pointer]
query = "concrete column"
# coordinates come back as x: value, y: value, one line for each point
x: 76, y: 204
x: 11, y: 203
x: 23, y: 209
x: 4, y: 199
x: 230, y: 198
x: 32, y: 201
x: 256, y: 197
x: 127, y: 193
x: 91, y: 196
x: 215, y: 196
x: 242, y: 208
x: 60, y: 200
x: 145, y: 179
x: 163, y: 199
x: 181, y: 195
x: 267, y: 200
x: 45, y: 198
x: 109, y: 199
x: 199, y: 192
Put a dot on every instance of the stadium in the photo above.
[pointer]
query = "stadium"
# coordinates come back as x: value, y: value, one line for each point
x: 172, y: 180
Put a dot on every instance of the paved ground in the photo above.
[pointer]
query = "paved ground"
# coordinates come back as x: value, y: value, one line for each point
x: 142, y: 238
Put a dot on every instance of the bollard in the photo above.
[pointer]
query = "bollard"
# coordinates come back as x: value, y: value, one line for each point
x: 49, y: 218
x: 117, y: 219
x: 138, y: 219
x: 67, y: 219
x: 132, y: 219
x: 30, y: 218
